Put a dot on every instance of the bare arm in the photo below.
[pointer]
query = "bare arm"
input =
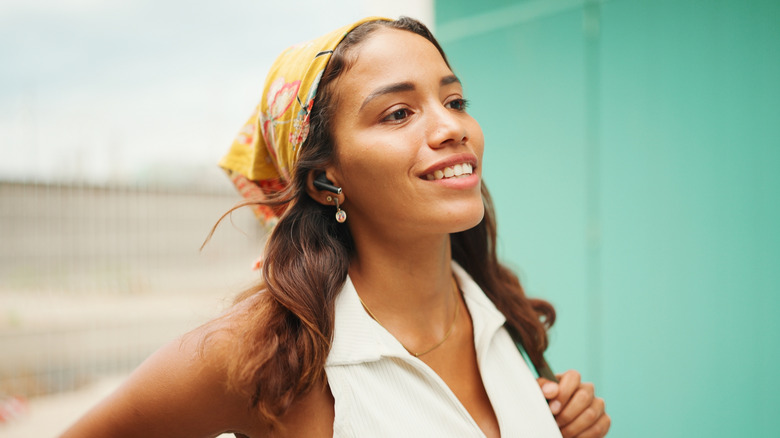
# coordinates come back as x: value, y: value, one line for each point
x: 177, y: 392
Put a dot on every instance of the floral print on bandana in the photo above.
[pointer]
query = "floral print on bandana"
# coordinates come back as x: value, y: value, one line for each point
x: 301, y: 122
x: 280, y: 97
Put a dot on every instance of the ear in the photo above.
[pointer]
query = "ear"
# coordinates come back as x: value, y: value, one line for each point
x: 321, y: 195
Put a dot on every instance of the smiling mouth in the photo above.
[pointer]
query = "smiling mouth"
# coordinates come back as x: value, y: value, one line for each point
x: 457, y: 171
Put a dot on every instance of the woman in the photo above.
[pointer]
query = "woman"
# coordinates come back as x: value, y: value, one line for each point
x: 383, y: 310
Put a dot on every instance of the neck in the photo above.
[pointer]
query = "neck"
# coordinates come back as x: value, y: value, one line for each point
x: 407, y: 284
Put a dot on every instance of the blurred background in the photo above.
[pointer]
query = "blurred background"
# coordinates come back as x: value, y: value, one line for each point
x: 632, y: 150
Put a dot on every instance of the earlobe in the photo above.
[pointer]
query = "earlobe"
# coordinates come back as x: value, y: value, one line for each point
x: 341, y: 215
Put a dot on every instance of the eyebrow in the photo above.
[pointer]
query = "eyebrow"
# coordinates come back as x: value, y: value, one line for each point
x: 404, y: 86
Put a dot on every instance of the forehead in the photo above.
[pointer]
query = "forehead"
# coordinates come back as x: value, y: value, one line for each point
x: 389, y: 56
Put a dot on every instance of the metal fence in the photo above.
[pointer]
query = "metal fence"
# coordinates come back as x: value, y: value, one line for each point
x: 95, y: 278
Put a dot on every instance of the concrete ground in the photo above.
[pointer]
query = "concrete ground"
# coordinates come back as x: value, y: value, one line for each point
x: 85, y: 347
x: 50, y: 415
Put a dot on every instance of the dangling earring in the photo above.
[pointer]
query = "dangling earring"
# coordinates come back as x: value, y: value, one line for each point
x: 341, y: 215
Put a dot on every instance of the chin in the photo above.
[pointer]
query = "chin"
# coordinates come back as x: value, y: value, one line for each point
x: 470, y: 218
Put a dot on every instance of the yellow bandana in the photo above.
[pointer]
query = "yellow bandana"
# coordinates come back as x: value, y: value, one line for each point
x: 265, y: 151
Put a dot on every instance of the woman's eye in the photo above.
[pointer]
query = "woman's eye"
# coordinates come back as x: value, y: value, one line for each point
x: 457, y: 104
x: 397, y: 115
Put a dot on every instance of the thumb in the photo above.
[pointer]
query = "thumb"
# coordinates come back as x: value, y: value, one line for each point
x: 549, y: 388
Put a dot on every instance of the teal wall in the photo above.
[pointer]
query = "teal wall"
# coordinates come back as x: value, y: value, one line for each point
x: 633, y: 151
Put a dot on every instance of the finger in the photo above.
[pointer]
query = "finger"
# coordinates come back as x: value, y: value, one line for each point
x: 586, y: 418
x: 568, y: 383
x: 578, y: 402
x: 549, y: 389
x: 599, y: 429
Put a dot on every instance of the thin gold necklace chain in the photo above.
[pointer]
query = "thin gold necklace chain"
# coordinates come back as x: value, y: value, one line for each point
x: 447, y: 335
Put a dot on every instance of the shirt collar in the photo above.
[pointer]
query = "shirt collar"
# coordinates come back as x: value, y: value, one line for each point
x: 357, y: 338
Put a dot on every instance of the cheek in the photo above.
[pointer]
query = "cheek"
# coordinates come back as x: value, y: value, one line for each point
x: 354, y: 161
x: 371, y: 156
x: 359, y: 172
x: 374, y: 177
x: 371, y: 170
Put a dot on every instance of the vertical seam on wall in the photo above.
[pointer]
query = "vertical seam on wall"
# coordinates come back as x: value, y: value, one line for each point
x: 591, y: 24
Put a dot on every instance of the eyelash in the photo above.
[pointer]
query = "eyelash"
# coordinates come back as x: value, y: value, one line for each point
x: 463, y: 103
x: 389, y: 117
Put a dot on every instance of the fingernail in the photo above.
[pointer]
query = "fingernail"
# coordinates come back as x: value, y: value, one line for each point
x: 549, y: 388
x: 555, y: 407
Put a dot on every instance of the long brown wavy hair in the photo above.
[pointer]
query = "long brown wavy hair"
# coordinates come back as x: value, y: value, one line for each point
x: 282, y: 327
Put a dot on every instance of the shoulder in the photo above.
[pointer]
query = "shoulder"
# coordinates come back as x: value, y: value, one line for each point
x: 181, y: 390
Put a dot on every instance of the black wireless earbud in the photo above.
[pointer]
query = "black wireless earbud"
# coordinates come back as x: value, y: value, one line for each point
x: 322, y: 183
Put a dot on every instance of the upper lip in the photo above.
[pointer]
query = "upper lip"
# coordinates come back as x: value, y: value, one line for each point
x: 451, y: 161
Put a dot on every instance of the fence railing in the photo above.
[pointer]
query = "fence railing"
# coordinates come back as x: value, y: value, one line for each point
x: 93, y: 279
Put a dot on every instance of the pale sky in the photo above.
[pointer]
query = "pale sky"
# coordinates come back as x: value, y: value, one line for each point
x: 102, y: 90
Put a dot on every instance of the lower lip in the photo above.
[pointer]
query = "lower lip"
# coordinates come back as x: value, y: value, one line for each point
x: 462, y: 183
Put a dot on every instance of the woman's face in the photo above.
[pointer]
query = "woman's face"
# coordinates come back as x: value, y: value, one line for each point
x: 408, y: 156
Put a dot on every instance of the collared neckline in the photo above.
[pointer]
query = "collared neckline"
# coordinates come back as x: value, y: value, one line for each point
x: 358, y: 338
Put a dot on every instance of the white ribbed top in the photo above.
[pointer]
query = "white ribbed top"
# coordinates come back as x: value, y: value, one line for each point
x: 381, y: 390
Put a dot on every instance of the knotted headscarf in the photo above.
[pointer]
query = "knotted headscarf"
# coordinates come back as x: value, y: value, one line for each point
x: 264, y: 153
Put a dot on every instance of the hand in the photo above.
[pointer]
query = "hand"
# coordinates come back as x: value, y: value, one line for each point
x: 578, y: 412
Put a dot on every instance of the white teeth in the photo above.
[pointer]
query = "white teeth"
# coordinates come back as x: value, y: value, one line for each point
x: 463, y: 169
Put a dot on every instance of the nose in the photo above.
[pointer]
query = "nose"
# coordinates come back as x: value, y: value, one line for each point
x: 446, y: 127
